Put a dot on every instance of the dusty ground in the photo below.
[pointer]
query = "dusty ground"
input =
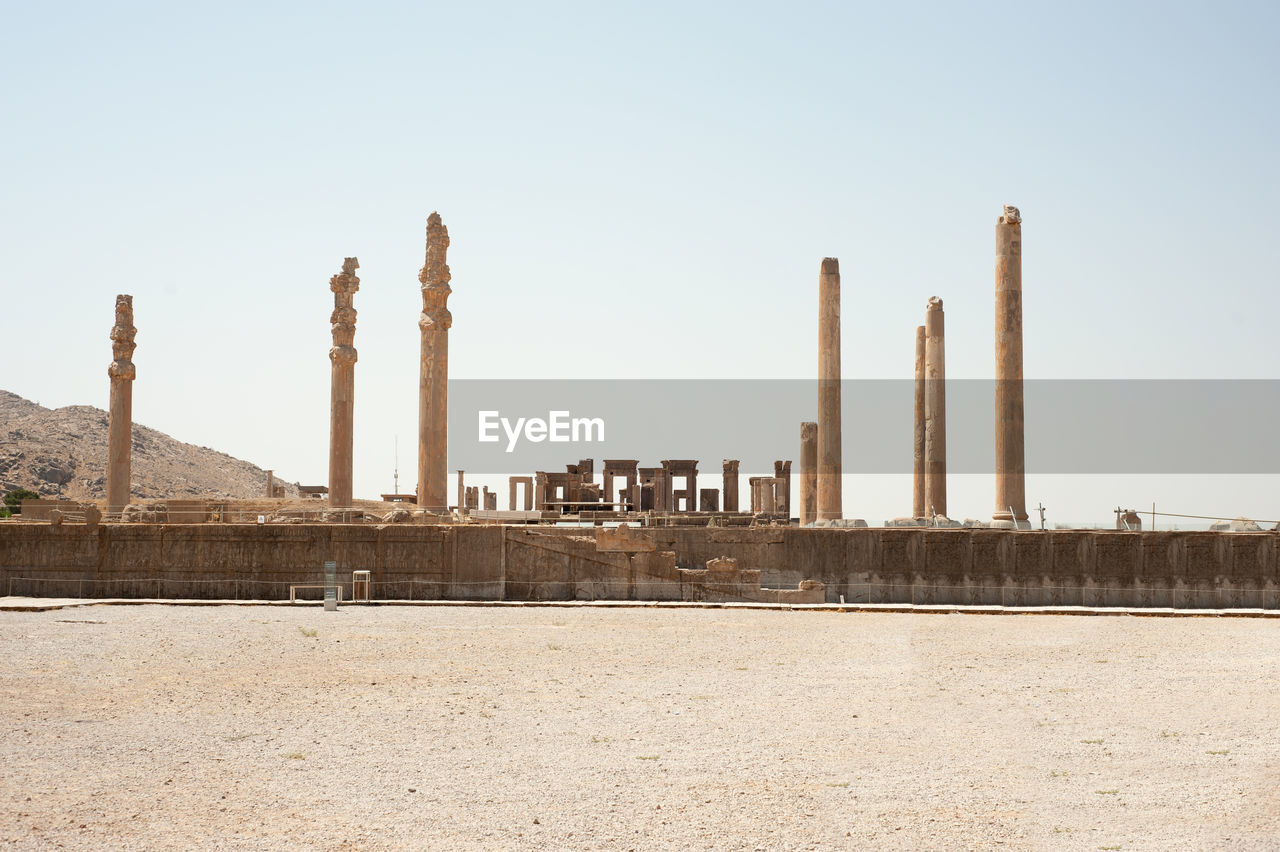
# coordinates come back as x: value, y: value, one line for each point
x: 236, y: 727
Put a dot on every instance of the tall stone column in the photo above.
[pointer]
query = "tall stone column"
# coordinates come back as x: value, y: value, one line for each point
x: 1011, y: 491
x: 829, y: 462
x: 342, y: 396
x: 120, y: 417
x: 917, y: 474
x: 462, y: 490
x: 433, y: 384
x: 729, y: 485
x: 935, y: 411
x: 808, y: 472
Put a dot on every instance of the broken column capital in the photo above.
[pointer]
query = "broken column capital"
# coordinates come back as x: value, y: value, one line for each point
x: 122, y: 341
x: 342, y: 322
x: 435, y: 277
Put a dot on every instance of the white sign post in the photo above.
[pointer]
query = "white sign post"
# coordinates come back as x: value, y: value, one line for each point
x: 331, y: 586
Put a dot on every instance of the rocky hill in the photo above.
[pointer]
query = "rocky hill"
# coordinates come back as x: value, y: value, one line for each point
x: 62, y: 452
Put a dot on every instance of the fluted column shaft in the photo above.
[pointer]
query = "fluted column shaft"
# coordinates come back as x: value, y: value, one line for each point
x: 808, y: 472
x: 1010, y: 450
x: 935, y: 411
x: 829, y: 460
x: 917, y: 473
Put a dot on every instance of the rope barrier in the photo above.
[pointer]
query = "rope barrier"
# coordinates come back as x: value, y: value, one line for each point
x: 1202, y: 517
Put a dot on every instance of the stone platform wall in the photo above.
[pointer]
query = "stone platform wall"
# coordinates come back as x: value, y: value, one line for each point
x: 981, y: 566
x: 246, y: 561
x: 1099, y: 568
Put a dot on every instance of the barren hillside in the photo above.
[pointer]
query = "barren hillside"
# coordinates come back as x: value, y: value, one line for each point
x: 62, y: 452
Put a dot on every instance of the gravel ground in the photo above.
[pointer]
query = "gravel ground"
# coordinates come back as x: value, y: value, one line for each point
x: 584, y: 728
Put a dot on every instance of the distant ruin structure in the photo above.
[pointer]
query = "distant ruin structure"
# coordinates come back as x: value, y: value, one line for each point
x: 829, y: 462
x: 917, y: 473
x: 782, y: 473
x: 685, y: 499
x: 624, y: 469
x: 513, y: 484
x: 433, y: 384
x: 342, y: 383
x: 120, y: 415
x: 935, y: 411
x: 770, y: 495
x: 1011, y: 491
x: 729, y: 484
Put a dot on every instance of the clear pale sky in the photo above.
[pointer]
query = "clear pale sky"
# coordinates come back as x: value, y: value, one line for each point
x: 661, y: 178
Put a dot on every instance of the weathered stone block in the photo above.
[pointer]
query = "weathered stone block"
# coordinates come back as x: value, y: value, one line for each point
x: 623, y: 539
x: 900, y: 551
x: 1208, y: 555
x: 1119, y: 557
x: 1253, y: 556
x: 722, y: 565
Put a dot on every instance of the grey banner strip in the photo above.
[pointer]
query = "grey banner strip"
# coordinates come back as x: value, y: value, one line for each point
x: 1071, y: 426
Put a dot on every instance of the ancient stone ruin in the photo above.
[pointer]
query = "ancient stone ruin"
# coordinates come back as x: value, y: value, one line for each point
x: 690, y: 543
x: 120, y: 426
x: 343, y: 379
x: 433, y: 385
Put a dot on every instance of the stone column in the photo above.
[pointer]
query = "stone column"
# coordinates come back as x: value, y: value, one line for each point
x: 829, y: 462
x: 120, y: 417
x: 917, y: 474
x: 433, y: 384
x: 782, y: 473
x: 935, y: 411
x: 342, y: 383
x: 271, y: 483
x: 540, y: 491
x: 1011, y: 489
x: 462, y: 490
x: 662, y: 491
x: 808, y: 473
x: 729, y: 493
